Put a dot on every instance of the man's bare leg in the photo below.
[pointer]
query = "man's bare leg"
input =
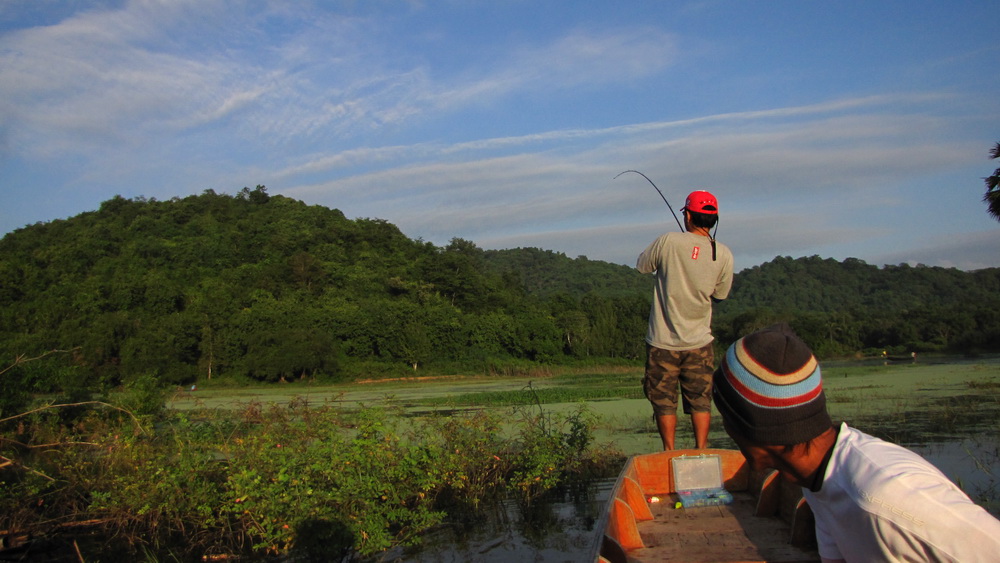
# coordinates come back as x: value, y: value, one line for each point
x: 701, y: 422
x: 667, y: 425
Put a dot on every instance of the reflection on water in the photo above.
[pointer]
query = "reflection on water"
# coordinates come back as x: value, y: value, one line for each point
x: 972, y: 463
x: 558, y: 527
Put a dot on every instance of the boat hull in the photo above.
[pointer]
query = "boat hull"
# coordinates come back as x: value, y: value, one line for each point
x: 768, y: 519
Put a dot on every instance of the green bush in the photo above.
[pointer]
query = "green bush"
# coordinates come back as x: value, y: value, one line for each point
x: 312, y: 482
x: 143, y: 395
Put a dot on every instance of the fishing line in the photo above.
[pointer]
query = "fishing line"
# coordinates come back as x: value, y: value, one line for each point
x: 657, y: 191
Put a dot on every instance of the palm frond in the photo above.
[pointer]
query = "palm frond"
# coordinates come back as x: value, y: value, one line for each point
x: 992, y: 200
x: 992, y: 195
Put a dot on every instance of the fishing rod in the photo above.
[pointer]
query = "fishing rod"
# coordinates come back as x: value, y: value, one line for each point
x: 711, y: 236
x: 657, y: 191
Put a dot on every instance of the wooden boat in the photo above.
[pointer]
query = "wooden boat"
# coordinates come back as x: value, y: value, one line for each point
x: 767, y: 520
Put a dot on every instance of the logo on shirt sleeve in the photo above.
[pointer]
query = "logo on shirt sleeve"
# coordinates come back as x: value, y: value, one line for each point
x: 694, y: 252
x: 885, y: 505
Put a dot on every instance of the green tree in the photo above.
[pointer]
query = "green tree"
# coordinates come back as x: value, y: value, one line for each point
x: 457, y: 274
x: 574, y: 326
x: 414, y: 344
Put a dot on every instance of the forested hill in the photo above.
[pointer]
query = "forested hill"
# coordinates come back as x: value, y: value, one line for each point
x: 825, y: 285
x: 849, y: 306
x: 264, y: 287
x: 545, y: 273
x: 267, y: 288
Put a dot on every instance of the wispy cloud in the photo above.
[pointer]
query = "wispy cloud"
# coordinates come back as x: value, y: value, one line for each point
x: 657, y: 137
x: 736, y: 149
x: 768, y: 169
x: 587, y: 58
x: 101, y: 76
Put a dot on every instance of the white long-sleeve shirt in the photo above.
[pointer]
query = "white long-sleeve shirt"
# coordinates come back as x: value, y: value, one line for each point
x: 882, y: 502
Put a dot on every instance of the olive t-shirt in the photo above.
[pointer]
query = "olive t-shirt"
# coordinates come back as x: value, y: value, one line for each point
x: 687, y: 279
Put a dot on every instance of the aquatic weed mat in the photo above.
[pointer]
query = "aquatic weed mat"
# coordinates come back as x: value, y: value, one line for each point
x: 919, y: 404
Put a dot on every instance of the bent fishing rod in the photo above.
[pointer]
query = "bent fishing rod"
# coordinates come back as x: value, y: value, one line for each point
x: 711, y: 236
x: 657, y: 191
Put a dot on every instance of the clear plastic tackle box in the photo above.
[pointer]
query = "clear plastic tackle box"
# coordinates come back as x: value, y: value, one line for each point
x: 698, y: 481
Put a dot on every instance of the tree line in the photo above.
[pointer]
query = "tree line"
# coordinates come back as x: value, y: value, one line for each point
x: 262, y: 287
x: 852, y: 308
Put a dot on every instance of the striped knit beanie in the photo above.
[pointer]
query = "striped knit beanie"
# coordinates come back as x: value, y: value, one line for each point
x: 769, y: 390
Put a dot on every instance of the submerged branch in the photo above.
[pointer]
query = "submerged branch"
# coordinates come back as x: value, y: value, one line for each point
x: 82, y: 403
x: 7, y: 461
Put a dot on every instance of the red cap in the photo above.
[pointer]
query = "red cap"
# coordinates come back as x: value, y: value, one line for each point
x: 700, y: 201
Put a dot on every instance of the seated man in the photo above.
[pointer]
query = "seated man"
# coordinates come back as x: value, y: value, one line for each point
x: 872, y: 500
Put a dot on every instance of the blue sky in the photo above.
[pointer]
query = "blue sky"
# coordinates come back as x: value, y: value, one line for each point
x: 840, y: 129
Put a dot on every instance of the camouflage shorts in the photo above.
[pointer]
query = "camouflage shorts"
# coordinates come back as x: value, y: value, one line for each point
x: 692, y: 368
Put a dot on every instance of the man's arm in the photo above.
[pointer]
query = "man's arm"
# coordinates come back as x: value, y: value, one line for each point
x: 725, y: 281
x: 645, y: 263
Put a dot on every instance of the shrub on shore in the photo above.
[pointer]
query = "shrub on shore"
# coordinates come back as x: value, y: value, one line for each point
x: 271, y: 480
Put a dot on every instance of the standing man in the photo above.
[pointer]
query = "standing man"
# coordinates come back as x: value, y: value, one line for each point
x: 872, y: 500
x: 692, y: 270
